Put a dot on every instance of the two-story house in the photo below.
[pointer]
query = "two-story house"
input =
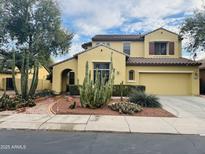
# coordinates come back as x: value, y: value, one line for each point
x: 154, y: 60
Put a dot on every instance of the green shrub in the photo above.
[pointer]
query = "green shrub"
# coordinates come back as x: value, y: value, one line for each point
x: 44, y: 93
x: 8, y: 103
x: 141, y: 98
x: 117, y: 89
x: 126, y: 89
x: 74, y: 89
x: 125, y: 107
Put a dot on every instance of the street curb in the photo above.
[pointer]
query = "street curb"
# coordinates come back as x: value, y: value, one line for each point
x: 89, y: 131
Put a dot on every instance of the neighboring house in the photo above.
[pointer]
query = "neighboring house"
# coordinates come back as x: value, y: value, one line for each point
x: 202, y: 77
x: 7, y: 84
x: 153, y: 60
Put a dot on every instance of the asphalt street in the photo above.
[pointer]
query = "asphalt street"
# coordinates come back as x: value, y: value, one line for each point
x: 50, y: 142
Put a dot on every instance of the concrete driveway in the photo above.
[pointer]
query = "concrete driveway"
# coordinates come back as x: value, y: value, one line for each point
x: 184, y: 106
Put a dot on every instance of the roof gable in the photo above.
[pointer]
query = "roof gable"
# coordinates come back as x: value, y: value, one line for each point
x: 76, y: 55
x: 161, y: 28
x: 101, y: 45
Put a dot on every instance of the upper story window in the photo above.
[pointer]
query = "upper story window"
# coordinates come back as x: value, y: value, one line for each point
x: 161, y: 48
x: 126, y: 48
x: 103, y: 43
x: 103, y: 71
x: 131, y: 75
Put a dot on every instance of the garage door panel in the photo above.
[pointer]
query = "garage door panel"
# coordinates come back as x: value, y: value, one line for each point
x: 166, y: 83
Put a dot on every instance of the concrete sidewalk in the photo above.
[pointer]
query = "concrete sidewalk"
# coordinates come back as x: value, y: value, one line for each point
x: 94, y: 123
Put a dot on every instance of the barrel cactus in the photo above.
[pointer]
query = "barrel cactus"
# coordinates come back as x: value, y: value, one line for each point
x: 125, y: 107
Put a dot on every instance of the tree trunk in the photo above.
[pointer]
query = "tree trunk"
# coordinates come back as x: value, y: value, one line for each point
x: 34, y: 82
x: 26, y: 74
x: 23, y: 93
x: 13, y: 73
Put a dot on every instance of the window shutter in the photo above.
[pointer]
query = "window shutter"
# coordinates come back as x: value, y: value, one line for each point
x: 151, y: 48
x: 171, y: 48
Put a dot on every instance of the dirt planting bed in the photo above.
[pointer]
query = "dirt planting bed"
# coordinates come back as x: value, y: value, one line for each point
x: 62, y: 107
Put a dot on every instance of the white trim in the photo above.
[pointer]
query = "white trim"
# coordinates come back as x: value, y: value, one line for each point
x: 131, y: 81
x: 188, y: 72
x: 101, y: 61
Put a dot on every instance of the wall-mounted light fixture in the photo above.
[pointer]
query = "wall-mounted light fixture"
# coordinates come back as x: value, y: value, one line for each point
x: 196, y: 75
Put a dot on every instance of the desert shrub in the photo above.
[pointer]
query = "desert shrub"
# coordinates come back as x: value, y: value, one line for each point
x: 125, y: 90
x: 125, y: 107
x: 95, y: 94
x: 8, y: 103
x: 44, y: 93
x: 143, y: 99
x: 74, y: 89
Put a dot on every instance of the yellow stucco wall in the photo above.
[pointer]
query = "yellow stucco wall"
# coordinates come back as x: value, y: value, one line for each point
x: 162, y: 35
x: 171, y: 71
x: 42, y: 83
x: 137, y: 47
x: 187, y: 75
x: 102, y: 54
x: 98, y: 54
x: 57, y: 73
x: 141, y: 48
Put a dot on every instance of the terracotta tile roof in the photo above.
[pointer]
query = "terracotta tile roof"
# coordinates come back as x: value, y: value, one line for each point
x: 139, y: 61
x: 118, y: 38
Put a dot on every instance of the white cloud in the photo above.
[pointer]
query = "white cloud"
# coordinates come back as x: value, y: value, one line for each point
x: 90, y: 17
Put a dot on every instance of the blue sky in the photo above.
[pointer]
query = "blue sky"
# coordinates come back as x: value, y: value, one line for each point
x: 86, y: 18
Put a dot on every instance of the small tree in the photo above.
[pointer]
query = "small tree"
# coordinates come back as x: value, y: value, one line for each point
x: 95, y: 94
x: 33, y: 28
x: 194, y: 30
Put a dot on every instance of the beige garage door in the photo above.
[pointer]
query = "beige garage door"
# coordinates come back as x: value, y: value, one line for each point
x: 166, y: 83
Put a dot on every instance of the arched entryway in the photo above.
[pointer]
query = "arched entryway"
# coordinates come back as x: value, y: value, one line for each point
x: 67, y: 78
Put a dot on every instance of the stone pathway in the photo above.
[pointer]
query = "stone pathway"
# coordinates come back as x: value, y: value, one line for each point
x: 94, y: 123
x: 42, y: 107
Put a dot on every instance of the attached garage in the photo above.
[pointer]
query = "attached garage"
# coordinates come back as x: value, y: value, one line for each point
x: 167, y: 83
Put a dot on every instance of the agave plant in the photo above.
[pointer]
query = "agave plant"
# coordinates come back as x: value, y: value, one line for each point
x: 143, y: 99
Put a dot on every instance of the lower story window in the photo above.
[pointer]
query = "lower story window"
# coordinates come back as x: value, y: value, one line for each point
x: 103, y: 70
x: 131, y: 75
